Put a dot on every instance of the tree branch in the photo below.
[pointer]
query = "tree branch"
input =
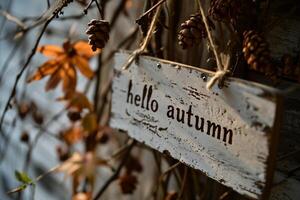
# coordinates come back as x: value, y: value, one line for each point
x: 116, y: 173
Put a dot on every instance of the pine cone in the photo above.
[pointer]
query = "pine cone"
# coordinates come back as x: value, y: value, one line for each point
x: 38, y: 117
x: 133, y: 164
x: 257, y: 54
x: 193, y: 31
x: 98, y: 32
x: 24, y: 137
x: 128, y: 183
x: 225, y: 10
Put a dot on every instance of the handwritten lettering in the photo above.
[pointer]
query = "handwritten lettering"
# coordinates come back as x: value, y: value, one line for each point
x: 191, y: 119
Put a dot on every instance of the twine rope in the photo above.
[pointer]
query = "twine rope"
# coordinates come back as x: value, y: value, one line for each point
x: 145, y: 42
x: 222, y: 59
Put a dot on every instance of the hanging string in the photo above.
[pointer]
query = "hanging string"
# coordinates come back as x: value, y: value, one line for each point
x: 146, y: 41
x: 222, y: 59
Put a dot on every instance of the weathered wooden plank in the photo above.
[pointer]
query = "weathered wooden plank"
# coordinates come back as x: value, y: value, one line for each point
x: 230, y: 133
x: 287, y: 175
x: 286, y: 189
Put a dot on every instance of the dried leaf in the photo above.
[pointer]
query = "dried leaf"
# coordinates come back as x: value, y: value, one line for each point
x: 72, y: 135
x: 53, y: 81
x: 133, y: 164
x: 84, y: 49
x: 77, y: 101
x: 83, y: 66
x: 128, y: 183
x: 71, y: 165
x: 80, y: 166
x: 38, y: 117
x: 70, y: 79
x: 129, y: 4
x: 23, y: 109
x: 51, y: 50
x: 62, y: 66
x: 46, y: 69
x: 89, y: 122
x: 82, y: 196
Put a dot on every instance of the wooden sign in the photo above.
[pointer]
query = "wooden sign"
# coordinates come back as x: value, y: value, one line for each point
x: 230, y: 134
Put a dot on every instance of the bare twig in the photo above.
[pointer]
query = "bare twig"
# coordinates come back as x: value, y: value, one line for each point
x: 120, y: 151
x: 225, y: 195
x: 117, y: 13
x: 99, y: 8
x: 171, y: 168
x: 123, y: 42
x: 21, y: 188
x: 4, y: 20
x: 57, y: 7
x: 9, y: 59
x: 14, y: 19
x: 36, y: 139
x: 48, y: 4
x: 183, y: 183
x: 22, y: 71
x: 151, y: 9
x: 116, y: 173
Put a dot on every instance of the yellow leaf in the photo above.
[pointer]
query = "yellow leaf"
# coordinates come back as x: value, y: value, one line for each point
x: 89, y: 122
x: 72, y: 135
x: 84, y: 49
x: 51, y: 50
x: 82, y: 196
x: 76, y: 100
x: 83, y: 66
x: 47, y: 68
x: 80, y: 101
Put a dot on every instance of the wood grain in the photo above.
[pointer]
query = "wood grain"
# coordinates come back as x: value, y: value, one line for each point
x: 230, y: 134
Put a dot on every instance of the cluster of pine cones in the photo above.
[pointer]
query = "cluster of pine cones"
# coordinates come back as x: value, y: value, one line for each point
x: 193, y: 30
x: 255, y: 48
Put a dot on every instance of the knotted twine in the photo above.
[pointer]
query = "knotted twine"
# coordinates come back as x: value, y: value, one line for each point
x: 222, y: 59
x: 146, y: 41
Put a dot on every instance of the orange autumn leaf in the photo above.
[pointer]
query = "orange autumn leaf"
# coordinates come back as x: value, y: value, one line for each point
x: 72, y: 135
x: 128, y: 4
x: 62, y: 65
x: 77, y: 101
x: 82, y: 196
x: 51, y: 50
